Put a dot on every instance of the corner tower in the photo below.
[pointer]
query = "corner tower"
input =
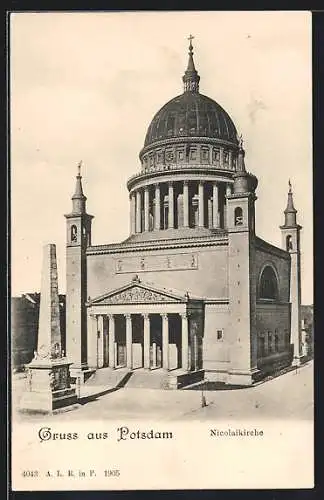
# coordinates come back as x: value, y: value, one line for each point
x: 291, y: 243
x: 241, y: 282
x: 78, y: 238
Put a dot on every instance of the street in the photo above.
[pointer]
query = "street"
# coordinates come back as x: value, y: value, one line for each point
x: 289, y: 396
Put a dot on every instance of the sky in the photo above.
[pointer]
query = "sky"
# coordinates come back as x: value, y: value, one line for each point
x: 85, y: 86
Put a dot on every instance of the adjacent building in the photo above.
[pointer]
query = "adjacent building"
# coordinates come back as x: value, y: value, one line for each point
x: 24, y: 327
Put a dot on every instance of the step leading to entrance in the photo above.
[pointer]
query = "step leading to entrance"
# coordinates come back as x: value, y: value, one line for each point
x: 109, y: 378
x: 150, y: 379
x: 141, y: 378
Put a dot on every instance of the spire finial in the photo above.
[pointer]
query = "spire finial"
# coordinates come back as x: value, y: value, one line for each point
x: 190, y: 38
x: 191, y: 77
x: 78, y: 198
x: 79, y: 168
x: 290, y: 212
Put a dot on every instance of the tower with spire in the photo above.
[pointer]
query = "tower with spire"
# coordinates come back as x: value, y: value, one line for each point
x: 291, y: 243
x: 242, y: 295
x: 78, y: 238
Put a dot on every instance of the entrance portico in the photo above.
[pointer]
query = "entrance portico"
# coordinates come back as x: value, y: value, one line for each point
x: 139, y: 326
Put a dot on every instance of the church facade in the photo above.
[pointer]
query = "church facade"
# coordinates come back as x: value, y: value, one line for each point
x: 193, y: 293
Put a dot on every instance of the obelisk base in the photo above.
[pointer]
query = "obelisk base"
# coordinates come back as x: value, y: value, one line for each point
x: 48, y: 387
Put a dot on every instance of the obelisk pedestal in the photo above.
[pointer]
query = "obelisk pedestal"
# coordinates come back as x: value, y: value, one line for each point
x: 48, y: 376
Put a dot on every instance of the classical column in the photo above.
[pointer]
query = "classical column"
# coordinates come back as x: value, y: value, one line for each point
x: 201, y: 204
x: 129, y: 341
x: 146, y: 343
x: 266, y: 344
x: 111, y: 341
x: 165, y: 341
x: 195, y: 340
x: 157, y: 218
x: 116, y: 353
x: 146, y: 208
x: 228, y: 193
x: 185, y: 342
x: 138, y: 211
x: 304, y: 340
x: 100, y: 336
x: 221, y: 157
x: 209, y: 221
x: 154, y: 360
x: 185, y: 204
x: 132, y: 213
x: 215, y: 206
x: 230, y: 159
x: 273, y: 342
x: 211, y: 155
x: 171, y: 206
x: 92, y: 341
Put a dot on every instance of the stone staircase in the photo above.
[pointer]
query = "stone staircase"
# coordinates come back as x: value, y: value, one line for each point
x: 153, y: 379
x: 106, y: 377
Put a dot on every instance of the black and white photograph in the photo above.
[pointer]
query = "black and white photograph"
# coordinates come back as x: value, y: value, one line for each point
x: 162, y: 258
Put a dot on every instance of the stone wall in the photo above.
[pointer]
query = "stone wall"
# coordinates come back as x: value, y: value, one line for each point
x: 203, y: 273
x: 24, y: 327
x: 216, y: 343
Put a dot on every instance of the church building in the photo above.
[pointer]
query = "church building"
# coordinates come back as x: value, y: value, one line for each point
x: 193, y: 293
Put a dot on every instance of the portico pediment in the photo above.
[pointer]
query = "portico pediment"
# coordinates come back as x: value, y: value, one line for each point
x: 137, y: 292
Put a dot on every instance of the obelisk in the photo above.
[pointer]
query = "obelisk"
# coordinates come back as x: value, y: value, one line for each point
x: 48, y: 375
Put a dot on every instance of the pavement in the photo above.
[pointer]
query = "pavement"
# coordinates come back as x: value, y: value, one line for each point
x: 289, y: 396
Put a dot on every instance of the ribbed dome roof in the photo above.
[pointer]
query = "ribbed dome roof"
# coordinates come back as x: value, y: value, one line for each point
x: 191, y: 114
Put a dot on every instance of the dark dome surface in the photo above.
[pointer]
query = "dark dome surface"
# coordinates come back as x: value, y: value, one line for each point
x: 191, y: 114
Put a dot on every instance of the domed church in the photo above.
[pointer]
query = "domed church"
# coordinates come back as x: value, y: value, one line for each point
x: 193, y: 293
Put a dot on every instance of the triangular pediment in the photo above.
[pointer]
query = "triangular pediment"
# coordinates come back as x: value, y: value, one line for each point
x: 137, y: 292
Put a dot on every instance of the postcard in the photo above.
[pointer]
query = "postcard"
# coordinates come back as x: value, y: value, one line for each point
x: 162, y: 260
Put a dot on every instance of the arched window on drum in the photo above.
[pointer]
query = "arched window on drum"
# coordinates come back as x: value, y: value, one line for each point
x: 268, y: 285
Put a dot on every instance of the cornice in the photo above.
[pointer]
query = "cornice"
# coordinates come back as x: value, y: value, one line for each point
x: 269, y: 302
x: 185, y: 139
x: 296, y: 227
x: 247, y: 194
x: 202, y: 241
x: 211, y: 300
x: 269, y: 248
x: 78, y: 216
x: 178, y: 172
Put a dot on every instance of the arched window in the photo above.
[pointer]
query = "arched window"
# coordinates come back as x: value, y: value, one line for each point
x: 74, y: 233
x: 289, y: 245
x: 268, y: 288
x: 238, y: 216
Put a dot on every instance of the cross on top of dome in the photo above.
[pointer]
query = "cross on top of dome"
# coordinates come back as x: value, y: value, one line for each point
x: 191, y: 77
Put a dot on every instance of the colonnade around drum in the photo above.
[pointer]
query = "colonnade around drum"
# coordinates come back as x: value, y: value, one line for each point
x: 174, y: 204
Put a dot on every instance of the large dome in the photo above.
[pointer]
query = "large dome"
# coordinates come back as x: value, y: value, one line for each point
x: 191, y: 114
x: 190, y: 162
